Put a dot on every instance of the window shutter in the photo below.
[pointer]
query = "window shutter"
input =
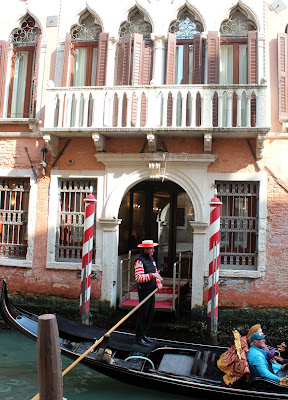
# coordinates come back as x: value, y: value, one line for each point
x: 136, y: 78
x: 171, y: 59
x: 102, y: 60
x: 124, y: 60
x: 283, y: 74
x: 147, y: 62
x: 213, y: 58
x: 146, y: 76
x: 252, y: 57
x: 197, y: 59
x: 3, y: 69
x: 65, y: 80
x: 35, y: 76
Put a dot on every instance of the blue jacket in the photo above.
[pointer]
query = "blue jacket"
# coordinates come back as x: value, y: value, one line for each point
x: 259, y: 365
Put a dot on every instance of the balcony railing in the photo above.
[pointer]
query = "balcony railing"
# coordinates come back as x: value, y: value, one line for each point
x: 177, y: 107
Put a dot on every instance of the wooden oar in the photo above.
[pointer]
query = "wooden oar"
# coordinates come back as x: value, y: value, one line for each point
x: 102, y: 338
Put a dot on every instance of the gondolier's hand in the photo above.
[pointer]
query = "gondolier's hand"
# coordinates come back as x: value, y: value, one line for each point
x: 157, y: 276
x: 159, y: 285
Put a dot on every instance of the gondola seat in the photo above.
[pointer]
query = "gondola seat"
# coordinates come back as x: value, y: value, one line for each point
x: 179, y: 364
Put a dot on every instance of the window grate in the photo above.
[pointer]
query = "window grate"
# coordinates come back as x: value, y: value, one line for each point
x: 238, y: 224
x: 71, y: 217
x: 13, y: 217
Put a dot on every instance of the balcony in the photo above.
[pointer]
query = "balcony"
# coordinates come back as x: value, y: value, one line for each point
x: 206, y: 111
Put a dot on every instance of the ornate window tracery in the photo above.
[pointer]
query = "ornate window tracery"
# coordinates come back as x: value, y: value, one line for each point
x: 186, y: 25
x: 27, y: 33
x: 87, y: 29
x: 238, y: 25
x: 136, y: 23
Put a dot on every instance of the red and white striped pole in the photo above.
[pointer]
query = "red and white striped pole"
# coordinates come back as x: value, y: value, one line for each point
x: 87, y: 250
x: 214, y: 251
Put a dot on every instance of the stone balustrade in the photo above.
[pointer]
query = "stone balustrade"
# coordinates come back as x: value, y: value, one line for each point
x: 180, y: 107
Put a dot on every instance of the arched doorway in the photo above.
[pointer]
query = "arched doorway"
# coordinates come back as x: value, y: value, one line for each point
x: 161, y: 211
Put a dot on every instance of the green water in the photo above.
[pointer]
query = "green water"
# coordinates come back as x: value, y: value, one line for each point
x: 18, y: 376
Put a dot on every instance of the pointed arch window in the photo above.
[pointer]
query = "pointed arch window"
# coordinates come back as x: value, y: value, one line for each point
x: 238, y: 59
x: 188, y: 52
x: 134, y: 51
x: 85, y: 55
x: 234, y: 37
x: 26, y: 41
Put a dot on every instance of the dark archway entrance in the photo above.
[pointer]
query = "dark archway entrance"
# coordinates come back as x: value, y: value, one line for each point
x: 160, y: 211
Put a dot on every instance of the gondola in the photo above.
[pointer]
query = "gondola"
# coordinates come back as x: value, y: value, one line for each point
x: 184, y: 368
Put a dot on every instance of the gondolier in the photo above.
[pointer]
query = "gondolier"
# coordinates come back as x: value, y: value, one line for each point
x: 147, y: 278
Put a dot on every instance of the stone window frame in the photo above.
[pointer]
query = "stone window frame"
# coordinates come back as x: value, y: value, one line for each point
x: 31, y: 222
x: 51, y: 262
x: 260, y: 177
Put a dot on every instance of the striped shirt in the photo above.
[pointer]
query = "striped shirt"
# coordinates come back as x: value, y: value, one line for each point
x: 140, y: 275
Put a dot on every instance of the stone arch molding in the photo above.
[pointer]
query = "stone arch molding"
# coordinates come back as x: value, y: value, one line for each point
x: 112, y: 206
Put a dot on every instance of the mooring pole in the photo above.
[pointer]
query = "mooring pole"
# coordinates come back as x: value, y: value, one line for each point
x: 49, y: 359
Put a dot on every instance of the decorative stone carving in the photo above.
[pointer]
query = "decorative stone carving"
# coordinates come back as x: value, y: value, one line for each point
x: 99, y: 141
x: 207, y: 142
x: 152, y: 142
x: 260, y: 145
x: 52, y: 144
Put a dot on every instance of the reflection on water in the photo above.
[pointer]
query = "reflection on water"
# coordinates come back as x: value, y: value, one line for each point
x: 18, y: 376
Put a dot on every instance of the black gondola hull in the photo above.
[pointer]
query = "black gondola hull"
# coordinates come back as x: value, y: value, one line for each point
x: 133, y: 364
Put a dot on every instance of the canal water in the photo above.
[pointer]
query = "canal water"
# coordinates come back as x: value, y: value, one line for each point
x: 18, y: 376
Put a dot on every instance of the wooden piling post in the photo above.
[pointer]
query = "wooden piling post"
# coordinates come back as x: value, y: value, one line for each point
x: 49, y: 359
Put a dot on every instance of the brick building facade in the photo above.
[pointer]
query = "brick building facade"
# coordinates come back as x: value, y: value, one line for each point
x: 153, y: 112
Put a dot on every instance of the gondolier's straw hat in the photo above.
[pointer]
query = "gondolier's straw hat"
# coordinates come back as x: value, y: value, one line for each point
x: 147, y: 244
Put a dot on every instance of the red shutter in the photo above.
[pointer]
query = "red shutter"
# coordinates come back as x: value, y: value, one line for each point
x: 283, y: 74
x: 197, y: 59
x: 136, y: 76
x: 171, y: 59
x: 3, y: 69
x: 122, y: 73
x: 35, y: 76
x: 147, y: 62
x: 213, y: 58
x: 252, y: 57
x: 102, y: 59
x: 124, y: 60
x: 65, y: 80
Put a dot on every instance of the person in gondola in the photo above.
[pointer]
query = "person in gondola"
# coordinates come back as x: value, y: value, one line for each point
x: 147, y: 278
x: 257, y: 360
x: 273, y: 355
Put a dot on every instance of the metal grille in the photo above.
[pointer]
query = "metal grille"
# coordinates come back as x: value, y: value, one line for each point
x: 186, y: 26
x: 13, y: 217
x: 238, y: 224
x: 71, y: 218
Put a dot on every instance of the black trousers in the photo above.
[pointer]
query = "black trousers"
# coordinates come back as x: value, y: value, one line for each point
x: 145, y: 313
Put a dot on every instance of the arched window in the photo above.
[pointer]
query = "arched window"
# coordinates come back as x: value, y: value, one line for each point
x: 85, y: 56
x: 24, y: 69
x: 188, y: 47
x: 237, y: 38
x: 238, y: 60
x: 134, y: 51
